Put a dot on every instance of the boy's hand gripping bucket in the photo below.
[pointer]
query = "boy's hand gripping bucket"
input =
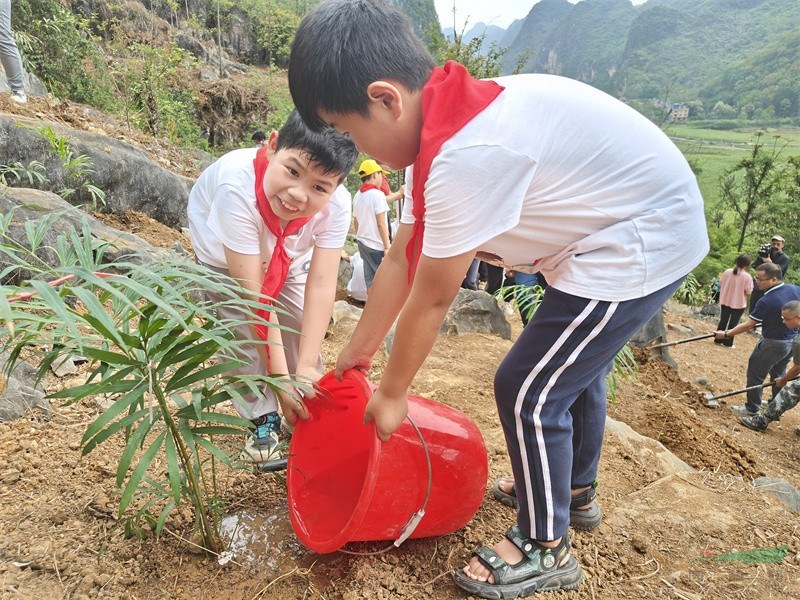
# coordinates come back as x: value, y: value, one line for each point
x: 345, y: 485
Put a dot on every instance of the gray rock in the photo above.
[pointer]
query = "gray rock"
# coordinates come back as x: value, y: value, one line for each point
x: 345, y: 273
x: 21, y: 392
x: 781, y: 488
x: 32, y: 205
x: 475, y: 312
x: 64, y: 365
x: 638, y: 444
x: 33, y: 86
x: 130, y: 179
x: 344, y: 310
x: 388, y: 341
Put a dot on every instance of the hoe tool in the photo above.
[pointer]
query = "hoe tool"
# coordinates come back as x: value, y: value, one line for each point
x: 713, y: 401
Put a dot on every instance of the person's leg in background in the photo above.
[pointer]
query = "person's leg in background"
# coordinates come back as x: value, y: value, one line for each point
x: 764, y: 360
x: 471, y: 280
x: 524, y: 299
x: 494, y: 278
x: 9, y: 55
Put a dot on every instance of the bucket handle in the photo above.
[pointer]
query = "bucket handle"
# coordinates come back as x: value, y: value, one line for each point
x: 417, y: 516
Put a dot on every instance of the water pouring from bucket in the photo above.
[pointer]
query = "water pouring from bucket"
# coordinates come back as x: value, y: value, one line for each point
x: 346, y: 485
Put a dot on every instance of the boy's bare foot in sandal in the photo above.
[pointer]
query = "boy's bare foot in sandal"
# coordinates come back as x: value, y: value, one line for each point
x: 519, y: 566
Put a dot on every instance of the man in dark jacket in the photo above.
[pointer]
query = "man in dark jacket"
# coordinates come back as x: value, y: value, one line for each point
x: 776, y: 255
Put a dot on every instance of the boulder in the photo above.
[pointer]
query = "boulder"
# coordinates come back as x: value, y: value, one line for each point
x: 20, y: 392
x: 475, y: 312
x: 654, y: 332
x: 782, y: 489
x: 31, y: 205
x: 130, y: 179
x: 33, y: 86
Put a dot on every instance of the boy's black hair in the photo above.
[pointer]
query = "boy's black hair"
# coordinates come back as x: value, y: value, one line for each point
x: 342, y: 46
x: 259, y: 136
x: 334, y: 152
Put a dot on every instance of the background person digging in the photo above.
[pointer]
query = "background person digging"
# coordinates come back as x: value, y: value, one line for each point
x: 772, y: 353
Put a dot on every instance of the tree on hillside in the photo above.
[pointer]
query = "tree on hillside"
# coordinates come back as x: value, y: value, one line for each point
x: 752, y: 187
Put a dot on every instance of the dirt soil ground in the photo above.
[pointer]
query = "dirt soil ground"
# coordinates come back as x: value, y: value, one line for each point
x: 59, y: 537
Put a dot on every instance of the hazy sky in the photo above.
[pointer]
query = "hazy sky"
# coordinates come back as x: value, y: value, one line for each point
x: 493, y: 12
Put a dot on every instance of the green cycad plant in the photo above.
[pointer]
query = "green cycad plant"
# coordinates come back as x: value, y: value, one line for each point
x: 528, y: 299
x: 151, y: 342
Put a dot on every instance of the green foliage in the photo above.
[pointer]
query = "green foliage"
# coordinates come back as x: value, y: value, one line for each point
x: 751, y: 186
x: 151, y: 345
x: 625, y: 368
x: 690, y: 292
x: 275, y: 31
x: 57, y: 46
x: 17, y: 173
x: 151, y: 86
x: 480, y: 64
x: 77, y: 168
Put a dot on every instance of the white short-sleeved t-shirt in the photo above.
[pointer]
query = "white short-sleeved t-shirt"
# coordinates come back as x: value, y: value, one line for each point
x: 223, y: 212
x: 366, y: 206
x: 558, y: 177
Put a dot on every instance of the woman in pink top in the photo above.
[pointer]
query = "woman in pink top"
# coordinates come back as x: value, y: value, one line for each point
x: 735, y: 286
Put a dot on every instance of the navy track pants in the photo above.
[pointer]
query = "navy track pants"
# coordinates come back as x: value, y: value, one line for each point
x: 551, y: 398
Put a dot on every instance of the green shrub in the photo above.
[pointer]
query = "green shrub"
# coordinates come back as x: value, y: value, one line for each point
x: 59, y: 48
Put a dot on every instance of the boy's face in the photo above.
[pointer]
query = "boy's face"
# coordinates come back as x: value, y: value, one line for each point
x: 390, y: 131
x: 296, y: 187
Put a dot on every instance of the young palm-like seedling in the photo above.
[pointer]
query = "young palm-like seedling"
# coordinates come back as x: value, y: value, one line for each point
x: 152, y: 343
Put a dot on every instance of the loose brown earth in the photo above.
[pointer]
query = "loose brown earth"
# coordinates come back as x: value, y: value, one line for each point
x: 59, y: 537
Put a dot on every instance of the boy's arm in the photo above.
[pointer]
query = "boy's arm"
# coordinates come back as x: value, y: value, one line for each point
x: 396, y: 195
x: 248, y: 270
x: 383, y: 229
x: 387, y: 295
x: 320, y: 294
x: 435, y: 285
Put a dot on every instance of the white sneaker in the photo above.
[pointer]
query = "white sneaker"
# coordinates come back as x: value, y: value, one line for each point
x: 265, y: 452
x: 19, y: 97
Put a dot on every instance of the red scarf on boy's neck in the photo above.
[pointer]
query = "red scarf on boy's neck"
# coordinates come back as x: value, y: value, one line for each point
x: 365, y: 187
x: 450, y: 100
x: 278, y: 268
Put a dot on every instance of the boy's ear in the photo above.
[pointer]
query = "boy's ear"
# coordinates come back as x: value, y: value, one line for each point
x: 273, y: 142
x: 387, y: 96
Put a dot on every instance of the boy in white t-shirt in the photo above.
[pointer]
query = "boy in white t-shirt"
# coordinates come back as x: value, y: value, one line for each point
x: 275, y: 218
x: 534, y: 173
x: 369, y: 211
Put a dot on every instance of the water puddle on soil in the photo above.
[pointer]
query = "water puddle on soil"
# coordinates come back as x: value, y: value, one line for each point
x: 268, y: 542
x: 260, y: 541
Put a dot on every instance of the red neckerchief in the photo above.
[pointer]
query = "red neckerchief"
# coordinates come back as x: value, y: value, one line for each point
x: 385, y: 186
x: 365, y: 187
x: 450, y: 99
x: 278, y: 268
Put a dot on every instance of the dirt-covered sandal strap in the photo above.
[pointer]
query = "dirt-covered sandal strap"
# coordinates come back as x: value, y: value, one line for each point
x: 539, y: 558
x: 587, y: 496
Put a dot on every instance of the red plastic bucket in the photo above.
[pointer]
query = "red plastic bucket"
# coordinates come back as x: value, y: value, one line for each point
x: 346, y: 485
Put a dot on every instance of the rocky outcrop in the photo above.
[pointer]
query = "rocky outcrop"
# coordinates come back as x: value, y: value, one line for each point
x: 131, y: 180
x: 33, y: 86
x: 31, y: 205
